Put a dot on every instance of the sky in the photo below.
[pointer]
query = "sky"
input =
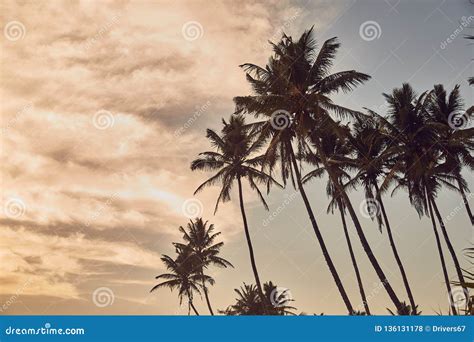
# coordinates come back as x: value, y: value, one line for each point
x: 104, y: 104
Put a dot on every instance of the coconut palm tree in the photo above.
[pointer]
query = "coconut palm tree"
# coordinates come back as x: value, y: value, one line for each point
x: 181, y: 276
x: 455, y: 143
x: 249, y: 302
x: 200, y: 238
x: 292, y: 89
x: 416, y: 162
x: 370, y: 156
x: 234, y: 160
x: 336, y: 150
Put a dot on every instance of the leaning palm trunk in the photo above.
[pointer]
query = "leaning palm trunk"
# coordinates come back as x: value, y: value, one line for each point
x: 191, y: 305
x: 464, y: 199
x: 249, y: 243
x: 443, y: 262
x: 366, y: 246
x: 451, y: 250
x: 206, y: 295
x: 354, y: 261
x: 394, y: 250
x: 319, y: 236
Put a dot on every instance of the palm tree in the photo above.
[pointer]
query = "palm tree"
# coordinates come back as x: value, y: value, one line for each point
x: 233, y: 160
x: 200, y: 238
x: 249, y: 302
x: 181, y: 276
x: 416, y: 158
x: 290, y: 91
x: 455, y: 144
x: 370, y: 156
x: 336, y: 150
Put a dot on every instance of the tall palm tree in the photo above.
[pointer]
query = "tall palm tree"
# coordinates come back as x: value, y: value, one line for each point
x: 417, y: 161
x: 181, y: 276
x: 291, y: 90
x: 336, y: 150
x: 455, y: 144
x: 234, y: 160
x: 200, y: 238
x: 370, y: 156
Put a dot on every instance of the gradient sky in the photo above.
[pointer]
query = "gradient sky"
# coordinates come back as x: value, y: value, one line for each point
x: 99, y: 201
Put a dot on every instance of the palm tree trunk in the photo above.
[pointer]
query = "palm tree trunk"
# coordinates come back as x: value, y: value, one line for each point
x: 443, y: 262
x: 366, y: 247
x: 465, y: 201
x: 354, y: 261
x: 206, y: 295
x: 192, y: 306
x: 394, y: 249
x: 319, y: 236
x: 249, y: 244
x: 451, y: 250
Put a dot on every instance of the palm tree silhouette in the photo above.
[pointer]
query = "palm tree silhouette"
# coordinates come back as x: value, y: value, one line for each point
x: 336, y: 152
x: 234, y: 161
x: 289, y: 92
x: 249, y: 302
x: 455, y: 145
x: 200, y: 238
x: 182, y: 277
x: 370, y: 149
x: 416, y: 157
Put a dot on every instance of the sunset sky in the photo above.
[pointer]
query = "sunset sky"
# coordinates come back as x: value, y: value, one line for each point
x: 104, y: 104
